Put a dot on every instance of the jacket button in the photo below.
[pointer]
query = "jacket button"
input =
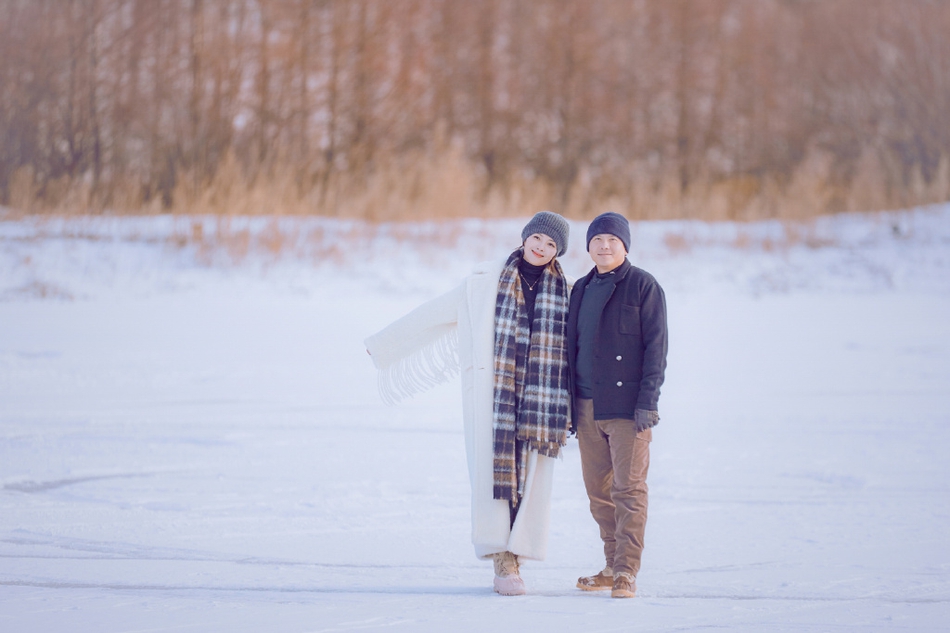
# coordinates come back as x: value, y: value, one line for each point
x: 620, y: 358
x: 619, y: 384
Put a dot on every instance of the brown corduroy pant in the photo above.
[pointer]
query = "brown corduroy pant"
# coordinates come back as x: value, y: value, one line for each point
x: 615, y: 459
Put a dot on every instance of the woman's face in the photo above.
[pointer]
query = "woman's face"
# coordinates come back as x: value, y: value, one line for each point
x: 539, y: 249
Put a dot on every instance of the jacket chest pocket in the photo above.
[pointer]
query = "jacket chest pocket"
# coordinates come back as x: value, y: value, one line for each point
x: 630, y: 320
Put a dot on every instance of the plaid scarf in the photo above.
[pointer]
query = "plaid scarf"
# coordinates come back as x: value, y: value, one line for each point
x: 531, y: 376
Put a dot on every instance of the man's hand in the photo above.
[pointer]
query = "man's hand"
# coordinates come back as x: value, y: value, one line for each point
x: 645, y: 419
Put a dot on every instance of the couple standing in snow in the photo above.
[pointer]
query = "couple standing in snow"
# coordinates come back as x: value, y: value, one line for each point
x: 540, y: 360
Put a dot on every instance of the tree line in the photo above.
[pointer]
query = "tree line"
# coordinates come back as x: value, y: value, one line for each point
x: 392, y: 109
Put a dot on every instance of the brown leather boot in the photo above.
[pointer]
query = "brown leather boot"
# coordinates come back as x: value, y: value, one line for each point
x: 625, y: 586
x: 598, y: 582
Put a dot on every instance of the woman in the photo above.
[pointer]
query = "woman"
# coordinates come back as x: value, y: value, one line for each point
x: 504, y: 327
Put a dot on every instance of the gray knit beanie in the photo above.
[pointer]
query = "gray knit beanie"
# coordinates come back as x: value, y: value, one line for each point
x: 612, y: 223
x: 550, y: 224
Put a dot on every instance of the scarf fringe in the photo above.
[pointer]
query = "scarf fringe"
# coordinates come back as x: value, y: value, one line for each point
x: 550, y: 449
x: 435, y: 363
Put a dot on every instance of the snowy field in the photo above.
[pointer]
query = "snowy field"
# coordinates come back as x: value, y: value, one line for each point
x: 191, y: 438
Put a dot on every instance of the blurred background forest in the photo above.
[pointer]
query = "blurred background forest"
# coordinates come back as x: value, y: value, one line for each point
x: 412, y: 109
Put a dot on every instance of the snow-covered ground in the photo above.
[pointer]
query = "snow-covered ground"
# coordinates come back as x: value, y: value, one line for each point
x: 191, y: 439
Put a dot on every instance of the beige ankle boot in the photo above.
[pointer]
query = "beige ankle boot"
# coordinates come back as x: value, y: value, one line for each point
x: 507, y: 579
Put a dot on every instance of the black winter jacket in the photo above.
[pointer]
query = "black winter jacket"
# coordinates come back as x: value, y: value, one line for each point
x: 630, y: 343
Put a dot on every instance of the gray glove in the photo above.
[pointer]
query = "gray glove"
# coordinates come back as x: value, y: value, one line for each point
x: 645, y: 419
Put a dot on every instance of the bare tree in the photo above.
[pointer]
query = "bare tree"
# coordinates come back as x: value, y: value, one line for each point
x: 655, y: 104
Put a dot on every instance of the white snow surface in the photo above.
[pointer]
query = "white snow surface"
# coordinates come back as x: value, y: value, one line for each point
x: 191, y: 437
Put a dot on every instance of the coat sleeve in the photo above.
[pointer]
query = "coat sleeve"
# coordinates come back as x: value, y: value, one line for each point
x: 419, y: 350
x: 654, y: 331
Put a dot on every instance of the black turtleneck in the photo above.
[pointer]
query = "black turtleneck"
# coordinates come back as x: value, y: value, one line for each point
x: 596, y: 294
x: 530, y: 282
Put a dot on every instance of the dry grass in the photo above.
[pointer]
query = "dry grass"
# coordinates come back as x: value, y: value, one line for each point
x: 224, y: 240
x: 445, y: 185
x: 219, y: 239
x: 677, y: 242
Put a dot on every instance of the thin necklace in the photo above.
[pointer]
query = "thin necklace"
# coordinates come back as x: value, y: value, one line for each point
x: 530, y: 286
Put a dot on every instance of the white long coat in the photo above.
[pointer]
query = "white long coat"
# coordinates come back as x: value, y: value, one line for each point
x: 417, y: 351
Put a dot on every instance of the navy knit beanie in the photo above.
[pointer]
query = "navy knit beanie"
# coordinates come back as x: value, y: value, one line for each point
x: 612, y: 223
x: 550, y: 224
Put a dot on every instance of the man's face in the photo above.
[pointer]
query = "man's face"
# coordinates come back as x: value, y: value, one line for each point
x: 607, y: 251
x: 539, y: 249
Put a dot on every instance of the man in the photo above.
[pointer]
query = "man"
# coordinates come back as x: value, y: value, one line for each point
x: 617, y: 343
